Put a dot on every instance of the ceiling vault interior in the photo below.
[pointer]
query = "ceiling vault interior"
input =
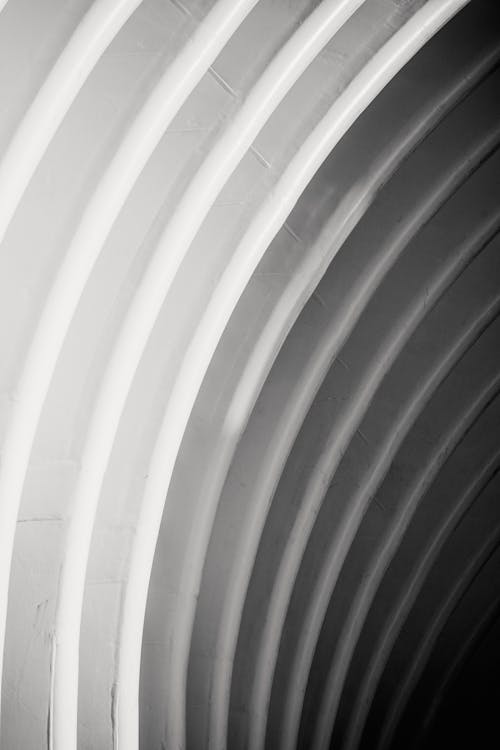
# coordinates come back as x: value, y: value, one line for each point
x: 249, y: 374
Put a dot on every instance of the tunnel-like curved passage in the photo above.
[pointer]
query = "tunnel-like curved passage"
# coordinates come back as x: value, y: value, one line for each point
x: 249, y: 373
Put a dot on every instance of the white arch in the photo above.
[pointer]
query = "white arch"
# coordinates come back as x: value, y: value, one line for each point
x: 298, y: 403
x: 161, y: 106
x: 257, y: 366
x: 176, y: 238
x: 383, y: 66
x: 93, y: 35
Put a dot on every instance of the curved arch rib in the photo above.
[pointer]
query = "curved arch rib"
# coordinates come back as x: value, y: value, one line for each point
x: 413, y: 587
x: 93, y: 35
x: 336, y: 444
x: 274, y: 332
x: 160, y: 108
x: 403, y: 45
x: 246, y: 551
x: 176, y: 238
x: 427, y: 644
x: 352, y: 628
x: 321, y: 358
x: 326, y: 581
x: 162, y: 105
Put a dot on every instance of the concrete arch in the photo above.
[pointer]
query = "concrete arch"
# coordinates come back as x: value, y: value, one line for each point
x: 267, y: 222
x: 221, y: 453
x: 320, y: 485
x: 209, y: 209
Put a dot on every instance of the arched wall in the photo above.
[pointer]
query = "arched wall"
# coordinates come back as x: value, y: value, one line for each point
x: 249, y: 373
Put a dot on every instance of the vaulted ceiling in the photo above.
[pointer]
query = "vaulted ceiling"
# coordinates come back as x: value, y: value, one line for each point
x: 249, y: 374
